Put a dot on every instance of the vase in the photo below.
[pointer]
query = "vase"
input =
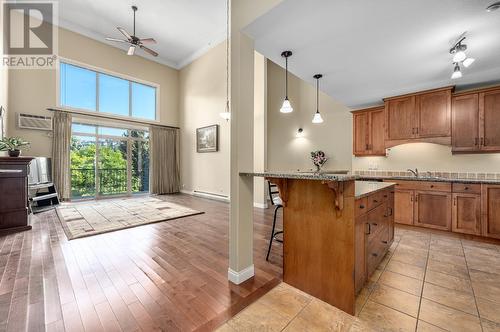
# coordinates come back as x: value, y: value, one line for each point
x: 14, y: 153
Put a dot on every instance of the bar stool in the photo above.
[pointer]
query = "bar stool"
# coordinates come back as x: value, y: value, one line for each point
x: 277, y: 203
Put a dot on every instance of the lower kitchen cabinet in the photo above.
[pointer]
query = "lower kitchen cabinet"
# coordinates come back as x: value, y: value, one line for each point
x: 374, y: 233
x: 466, y: 213
x: 433, y: 210
x: 403, y: 207
x: 491, y: 211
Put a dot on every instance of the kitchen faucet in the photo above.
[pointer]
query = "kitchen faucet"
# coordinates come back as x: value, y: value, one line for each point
x: 414, y: 172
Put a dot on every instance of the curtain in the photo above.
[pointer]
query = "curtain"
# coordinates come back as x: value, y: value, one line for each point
x: 61, y: 154
x: 164, y: 145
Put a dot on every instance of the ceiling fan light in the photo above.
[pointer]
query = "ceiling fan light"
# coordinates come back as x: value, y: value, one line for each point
x: 317, y: 118
x: 469, y: 61
x: 286, y: 107
x: 459, y: 56
x: 131, y: 50
x: 456, y: 72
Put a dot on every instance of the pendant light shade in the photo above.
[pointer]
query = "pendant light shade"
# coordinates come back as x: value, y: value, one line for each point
x: 457, y: 73
x: 226, y: 115
x: 287, y: 106
x: 317, y: 116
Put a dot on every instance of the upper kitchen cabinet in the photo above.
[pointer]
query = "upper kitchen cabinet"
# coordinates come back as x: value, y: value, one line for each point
x: 475, y: 121
x: 419, y: 117
x: 368, y: 132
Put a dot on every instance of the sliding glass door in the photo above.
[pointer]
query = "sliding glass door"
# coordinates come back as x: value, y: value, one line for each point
x: 108, y: 161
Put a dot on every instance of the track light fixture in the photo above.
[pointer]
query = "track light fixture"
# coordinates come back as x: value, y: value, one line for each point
x: 286, y: 107
x: 317, y: 116
x: 459, y: 57
x: 493, y: 7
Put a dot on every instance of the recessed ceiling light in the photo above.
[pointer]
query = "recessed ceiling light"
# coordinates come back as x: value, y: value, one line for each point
x: 493, y: 7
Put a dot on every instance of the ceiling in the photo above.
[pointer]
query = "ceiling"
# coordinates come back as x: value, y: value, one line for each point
x: 368, y: 50
x: 183, y: 29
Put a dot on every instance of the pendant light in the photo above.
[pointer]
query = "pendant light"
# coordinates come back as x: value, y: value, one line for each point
x: 286, y: 107
x: 317, y: 116
x: 226, y: 115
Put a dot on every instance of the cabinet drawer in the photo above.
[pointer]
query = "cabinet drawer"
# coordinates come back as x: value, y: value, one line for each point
x: 376, y: 251
x: 360, y: 207
x: 13, y: 171
x: 466, y: 188
x: 377, y: 221
x: 423, y: 185
x: 377, y: 199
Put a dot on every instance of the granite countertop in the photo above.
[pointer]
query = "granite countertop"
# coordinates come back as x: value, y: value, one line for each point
x: 326, y: 176
x: 366, y: 188
x: 426, y: 178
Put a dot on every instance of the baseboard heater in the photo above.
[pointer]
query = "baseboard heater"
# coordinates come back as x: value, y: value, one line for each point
x: 209, y: 195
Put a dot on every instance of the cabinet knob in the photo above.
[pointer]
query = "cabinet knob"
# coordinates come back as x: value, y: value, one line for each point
x: 361, y: 206
x: 385, y: 242
x: 375, y: 224
x: 375, y: 201
x: 432, y: 186
x: 466, y: 188
x: 374, y: 254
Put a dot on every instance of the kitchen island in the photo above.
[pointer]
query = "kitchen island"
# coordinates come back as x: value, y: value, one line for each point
x: 325, y: 251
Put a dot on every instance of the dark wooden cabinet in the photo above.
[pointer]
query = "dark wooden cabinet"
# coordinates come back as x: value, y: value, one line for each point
x: 419, y: 117
x: 491, y: 211
x: 368, y: 132
x: 360, y: 252
x: 433, y: 210
x: 489, y: 113
x: 14, y: 215
x: 476, y: 121
x: 434, y: 114
x: 403, y: 206
x: 400, y: 118
x: 465, y: 123
x: 466, y: 213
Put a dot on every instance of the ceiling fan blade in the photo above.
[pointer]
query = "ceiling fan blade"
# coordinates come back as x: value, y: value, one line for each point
x: 150, y: 51
x: 124, y: 32
x: 131, y: 50
x: 148, y: 41
x: 116, y: 40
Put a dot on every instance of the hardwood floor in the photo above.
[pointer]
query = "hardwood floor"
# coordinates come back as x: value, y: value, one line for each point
x: 165, y: 276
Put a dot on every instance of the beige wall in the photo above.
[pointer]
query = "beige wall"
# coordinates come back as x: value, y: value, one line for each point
x: 202, y: 87
x: 428, y: 157
x: 260, y: 129
x: 32, y: 91
x: 334, y: 136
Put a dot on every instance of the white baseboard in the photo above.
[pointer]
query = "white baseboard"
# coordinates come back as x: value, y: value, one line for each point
x: 206, y: 195
x: 260, y: 205
x: 241, y: 276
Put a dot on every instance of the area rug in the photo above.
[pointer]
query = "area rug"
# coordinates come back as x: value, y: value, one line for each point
x: 81, y: 219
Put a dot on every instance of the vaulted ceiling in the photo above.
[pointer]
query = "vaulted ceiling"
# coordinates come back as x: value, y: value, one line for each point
x: 183, y: 29
x: 368, y: 50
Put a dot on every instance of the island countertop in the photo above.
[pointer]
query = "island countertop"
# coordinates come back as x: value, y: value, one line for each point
x: 366, y: 188
x: 303, y: 175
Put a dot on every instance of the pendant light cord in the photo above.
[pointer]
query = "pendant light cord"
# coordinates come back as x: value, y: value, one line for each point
x: 317, y: 95
x: 286, y: 78
x: 134, y: 20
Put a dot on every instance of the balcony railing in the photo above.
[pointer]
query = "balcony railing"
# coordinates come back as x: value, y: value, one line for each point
x: 112, y: 181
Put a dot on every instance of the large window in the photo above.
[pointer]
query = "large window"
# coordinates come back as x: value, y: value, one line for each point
x: 108, y: 161
x: 84, y: 89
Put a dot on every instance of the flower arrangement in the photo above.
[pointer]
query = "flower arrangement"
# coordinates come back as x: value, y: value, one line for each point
x: 318, y: 158
x: 12, y: 145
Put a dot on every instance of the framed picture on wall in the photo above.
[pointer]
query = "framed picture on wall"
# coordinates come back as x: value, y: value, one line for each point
x: 207, y: 139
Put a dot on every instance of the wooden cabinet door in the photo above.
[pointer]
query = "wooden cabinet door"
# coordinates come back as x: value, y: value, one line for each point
x: 400, y: 118
x: 360, y: 133
x: 434, y: 114
x: 360, y: 253
x: 466, y: 213
x: 465, y: 123
x: 376, y: 124
x: 433, y: 209
x: 403, y: 207
x: 491, y: 211
x: 390, y: 215
x: 489, y: 111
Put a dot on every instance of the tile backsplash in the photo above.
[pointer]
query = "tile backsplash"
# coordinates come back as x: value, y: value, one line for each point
x: 446, y: 175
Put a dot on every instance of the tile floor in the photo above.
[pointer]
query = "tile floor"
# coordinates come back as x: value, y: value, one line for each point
x: 428, y: 281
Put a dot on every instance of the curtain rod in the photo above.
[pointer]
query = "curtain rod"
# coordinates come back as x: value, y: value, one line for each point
x: 109, y: 117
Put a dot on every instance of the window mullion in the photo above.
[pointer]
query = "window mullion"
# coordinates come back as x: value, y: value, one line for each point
x: 97, y: 92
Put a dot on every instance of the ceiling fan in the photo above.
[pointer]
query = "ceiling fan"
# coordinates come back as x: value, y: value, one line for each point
x: 133, y: 40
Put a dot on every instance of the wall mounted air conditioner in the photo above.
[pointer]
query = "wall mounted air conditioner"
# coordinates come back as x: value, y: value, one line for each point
x: 37, y: 122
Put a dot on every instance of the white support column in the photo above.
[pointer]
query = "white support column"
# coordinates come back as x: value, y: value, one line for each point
x: 242, y: 120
